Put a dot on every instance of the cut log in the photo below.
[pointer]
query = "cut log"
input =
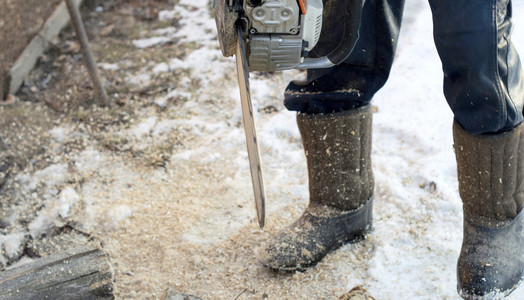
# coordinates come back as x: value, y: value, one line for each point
x: 83, y: 273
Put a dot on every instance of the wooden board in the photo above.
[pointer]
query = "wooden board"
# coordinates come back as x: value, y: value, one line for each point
x: 26, y: 61
x: 83, y: 273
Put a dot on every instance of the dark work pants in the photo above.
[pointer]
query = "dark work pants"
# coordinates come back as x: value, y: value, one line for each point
x: 483, y: 79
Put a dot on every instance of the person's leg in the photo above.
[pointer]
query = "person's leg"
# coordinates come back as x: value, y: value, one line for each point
x: 491, y: 184
x: 483, y: 80
x: 484, y: 86
x: 353, y: 83
x: 335, y: 124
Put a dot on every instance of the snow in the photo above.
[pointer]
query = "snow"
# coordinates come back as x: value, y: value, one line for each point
x: 59, y: 134
x: 417, y: 217
x: 68, y: 197
x: 117, y: 214
x: 140, y: 79
x: 149, y: 42
x: 164, y: 15
x: 161, y: 68
x: 88, y: 161
x: 11, y: 245
x: 191, y: 223
x: 111, y: 67
x: 54, y: 213
x: 53, y: 175
x: 143, y: 128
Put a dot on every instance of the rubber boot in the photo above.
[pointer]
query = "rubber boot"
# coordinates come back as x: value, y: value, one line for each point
x: 491, y: 185
x: 337, y: 148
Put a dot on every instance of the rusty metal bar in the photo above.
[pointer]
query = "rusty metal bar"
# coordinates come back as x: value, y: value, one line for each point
x: 89, y: 60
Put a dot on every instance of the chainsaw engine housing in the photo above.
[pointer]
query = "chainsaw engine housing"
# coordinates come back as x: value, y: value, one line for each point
x: 280, y: 35
x: 277, y: 34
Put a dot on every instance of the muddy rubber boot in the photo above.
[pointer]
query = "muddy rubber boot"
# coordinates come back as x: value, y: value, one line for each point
x: 491, y: 185
x: 337, y: 148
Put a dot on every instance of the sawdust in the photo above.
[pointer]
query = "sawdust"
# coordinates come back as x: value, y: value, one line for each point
x: 357, y: 293
x: 171, y: 213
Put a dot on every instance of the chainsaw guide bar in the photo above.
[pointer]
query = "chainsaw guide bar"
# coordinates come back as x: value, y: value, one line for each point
x: 249, y: 127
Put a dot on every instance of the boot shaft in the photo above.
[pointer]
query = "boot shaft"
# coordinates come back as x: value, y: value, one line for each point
x: 490, y: 169
x: 338, y: 152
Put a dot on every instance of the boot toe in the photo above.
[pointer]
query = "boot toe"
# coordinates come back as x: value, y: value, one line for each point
x: 318, y: 231
x: 491, y: 262
x: 289, y: 255
x: 481, y: 280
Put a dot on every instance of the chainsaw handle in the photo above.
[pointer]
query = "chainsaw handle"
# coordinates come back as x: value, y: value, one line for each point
x: 346, y: 45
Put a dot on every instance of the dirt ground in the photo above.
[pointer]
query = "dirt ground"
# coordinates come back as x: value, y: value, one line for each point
x: 58, y: 90
x: 59, y: 93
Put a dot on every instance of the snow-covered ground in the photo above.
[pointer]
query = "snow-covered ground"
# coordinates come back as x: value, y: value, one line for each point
x: 412, y: 252
x: 191, y: 224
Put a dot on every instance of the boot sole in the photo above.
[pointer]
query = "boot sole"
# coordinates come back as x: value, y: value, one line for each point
x: 492, y: 295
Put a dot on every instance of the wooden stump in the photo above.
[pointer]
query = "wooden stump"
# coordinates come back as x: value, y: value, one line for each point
x: 84, y: 273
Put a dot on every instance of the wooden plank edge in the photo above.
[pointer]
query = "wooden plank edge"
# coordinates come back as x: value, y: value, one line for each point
x: 36, y: 47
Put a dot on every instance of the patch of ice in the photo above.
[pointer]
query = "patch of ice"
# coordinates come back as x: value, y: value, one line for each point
x: 43, y: 222
x: 182, y: 156
x: 210, y: 157
x: 54, y: 212
x: 178, y: 93
x: 176, y: 63
x: 165, y: 31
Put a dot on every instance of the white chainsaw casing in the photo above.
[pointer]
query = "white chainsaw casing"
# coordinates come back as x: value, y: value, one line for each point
x: 279, y: 36
x: 274, y: 16
x: 313, y: 23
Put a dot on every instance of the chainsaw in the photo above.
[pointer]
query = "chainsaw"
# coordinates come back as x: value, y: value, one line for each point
x: 273, y: 35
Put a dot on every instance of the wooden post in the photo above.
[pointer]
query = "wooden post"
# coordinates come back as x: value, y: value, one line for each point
x: 89, y: 60
x: 83, y: 273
